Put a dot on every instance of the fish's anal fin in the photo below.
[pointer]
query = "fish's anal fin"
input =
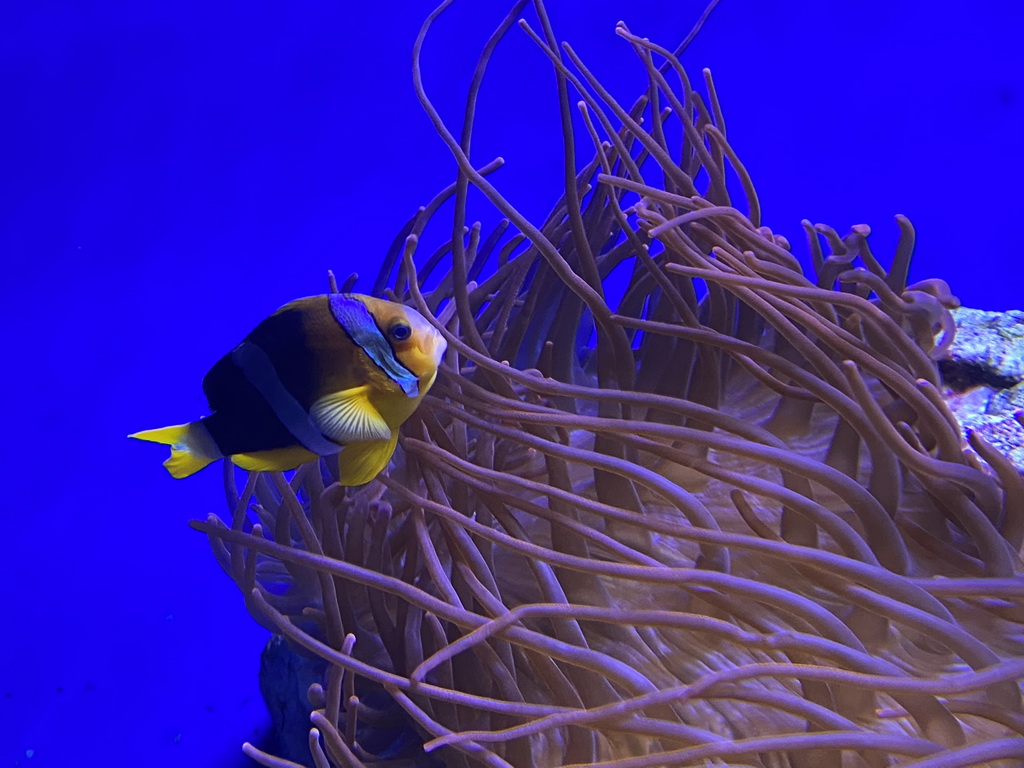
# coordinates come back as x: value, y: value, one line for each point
x: 277, y: 460
x: 186, y: 456
x: 348, y: 416
x: 183, y: 462
x: 359, y: 463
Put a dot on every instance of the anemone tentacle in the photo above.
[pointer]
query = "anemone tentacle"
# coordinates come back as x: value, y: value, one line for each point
x: 725, y: 517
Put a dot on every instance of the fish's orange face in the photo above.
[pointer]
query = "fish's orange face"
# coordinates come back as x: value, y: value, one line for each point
x: 416, y: 343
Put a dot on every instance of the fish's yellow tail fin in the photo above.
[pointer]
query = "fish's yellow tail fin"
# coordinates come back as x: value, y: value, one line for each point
x: 187, y: 448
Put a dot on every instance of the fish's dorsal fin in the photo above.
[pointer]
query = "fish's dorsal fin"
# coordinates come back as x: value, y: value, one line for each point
x: 348, y: 416
x: 359, y: 463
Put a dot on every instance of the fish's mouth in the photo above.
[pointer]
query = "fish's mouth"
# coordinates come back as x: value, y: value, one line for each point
x: 437, y: 347
x: 433, y: 346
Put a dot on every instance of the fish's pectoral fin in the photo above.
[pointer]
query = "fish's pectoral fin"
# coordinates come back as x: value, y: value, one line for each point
x: 187, y: 447
x: 348, y: 416
x: 277, y: 460
x: 359, y: 463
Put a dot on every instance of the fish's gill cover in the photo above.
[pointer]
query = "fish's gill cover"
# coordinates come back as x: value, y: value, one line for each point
x: 725, y: 516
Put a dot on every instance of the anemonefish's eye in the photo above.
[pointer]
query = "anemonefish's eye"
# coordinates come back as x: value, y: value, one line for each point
x: 400, y: 332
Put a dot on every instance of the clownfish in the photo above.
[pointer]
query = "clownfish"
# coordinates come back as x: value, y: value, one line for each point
x: 331, y: 374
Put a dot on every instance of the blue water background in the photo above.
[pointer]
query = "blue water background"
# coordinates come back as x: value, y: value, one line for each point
x: 172, y: 172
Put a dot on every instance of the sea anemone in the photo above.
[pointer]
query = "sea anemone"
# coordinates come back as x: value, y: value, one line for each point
x: 725, y: 519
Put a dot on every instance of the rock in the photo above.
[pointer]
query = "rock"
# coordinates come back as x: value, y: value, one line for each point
x: 985, y: 376
x: 991, y: 344
x: 285, y: 677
